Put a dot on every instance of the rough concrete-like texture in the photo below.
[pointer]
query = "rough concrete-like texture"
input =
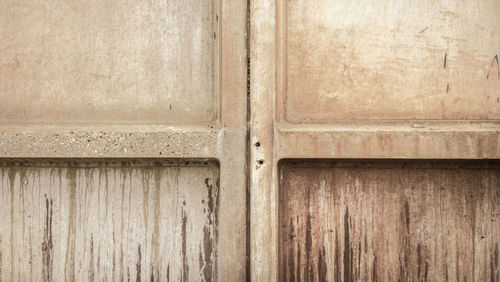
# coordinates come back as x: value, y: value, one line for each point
x: 106, y: 141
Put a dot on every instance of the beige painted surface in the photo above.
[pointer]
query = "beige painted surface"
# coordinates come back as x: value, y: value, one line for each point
x: 109, y: 220
x: 390, y: 60
x: 109, y: 61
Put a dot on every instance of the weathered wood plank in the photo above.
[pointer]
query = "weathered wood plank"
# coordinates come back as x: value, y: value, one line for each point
x: 86, y: 221
x: 389, y: 221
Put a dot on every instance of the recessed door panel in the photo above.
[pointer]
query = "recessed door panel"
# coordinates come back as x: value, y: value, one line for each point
x: 109, y: 220
x: 108, y: 62
x: 390, y: 60
x: 389, y: 221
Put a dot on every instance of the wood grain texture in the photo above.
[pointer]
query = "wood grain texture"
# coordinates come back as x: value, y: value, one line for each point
x: 108, y: 221
x: 389, y: 221
x: 119, y: 61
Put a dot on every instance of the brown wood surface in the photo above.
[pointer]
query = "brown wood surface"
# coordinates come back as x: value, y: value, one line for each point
x: 108, y: 221
x: 389, y: 221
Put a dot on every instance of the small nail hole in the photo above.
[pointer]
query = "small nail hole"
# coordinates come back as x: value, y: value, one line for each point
x: 257, y: 144
x: 260, y: 162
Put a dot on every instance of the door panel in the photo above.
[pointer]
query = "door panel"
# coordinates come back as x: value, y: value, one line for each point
x: 109, y: 220
x: 399, y: 80
x: 155, y: 86
x: 389, y: 221
x: 390, y: 60
x: 109, y: 62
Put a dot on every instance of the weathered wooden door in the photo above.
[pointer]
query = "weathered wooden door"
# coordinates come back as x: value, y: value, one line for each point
x: 368, y: 120
x: 123, y: 140
x: 370, y: 142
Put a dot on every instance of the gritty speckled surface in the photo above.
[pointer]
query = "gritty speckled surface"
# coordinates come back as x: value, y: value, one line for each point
x: 161, y: 142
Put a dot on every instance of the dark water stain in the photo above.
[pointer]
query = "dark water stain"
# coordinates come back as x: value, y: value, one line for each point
x: 422, y: 263
x: 209, y: 238
x: 309, y: 269
x: 359, y: 260
x: 291, y: 263
x: 407, y: 217
x: 138, y: 264
x: 405, y: 246
x: 208, y: 247
x: 91, y: 268
x: 419, y: 261
x: 210, y: 199
x: 185, y: 266
x: 47, y: 244
x: 12, y: 177
x: 114, y: 258
x: 69, y: 267
x: 322, y: 268
x: 347, y: 249
x: 495, y: 273
x: 337, y: 257
x: 168, y: 273
x: 156, y: 221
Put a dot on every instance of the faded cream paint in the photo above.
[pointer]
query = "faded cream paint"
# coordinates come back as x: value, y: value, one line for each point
x: 390, y: 60
x: 109, y: 62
